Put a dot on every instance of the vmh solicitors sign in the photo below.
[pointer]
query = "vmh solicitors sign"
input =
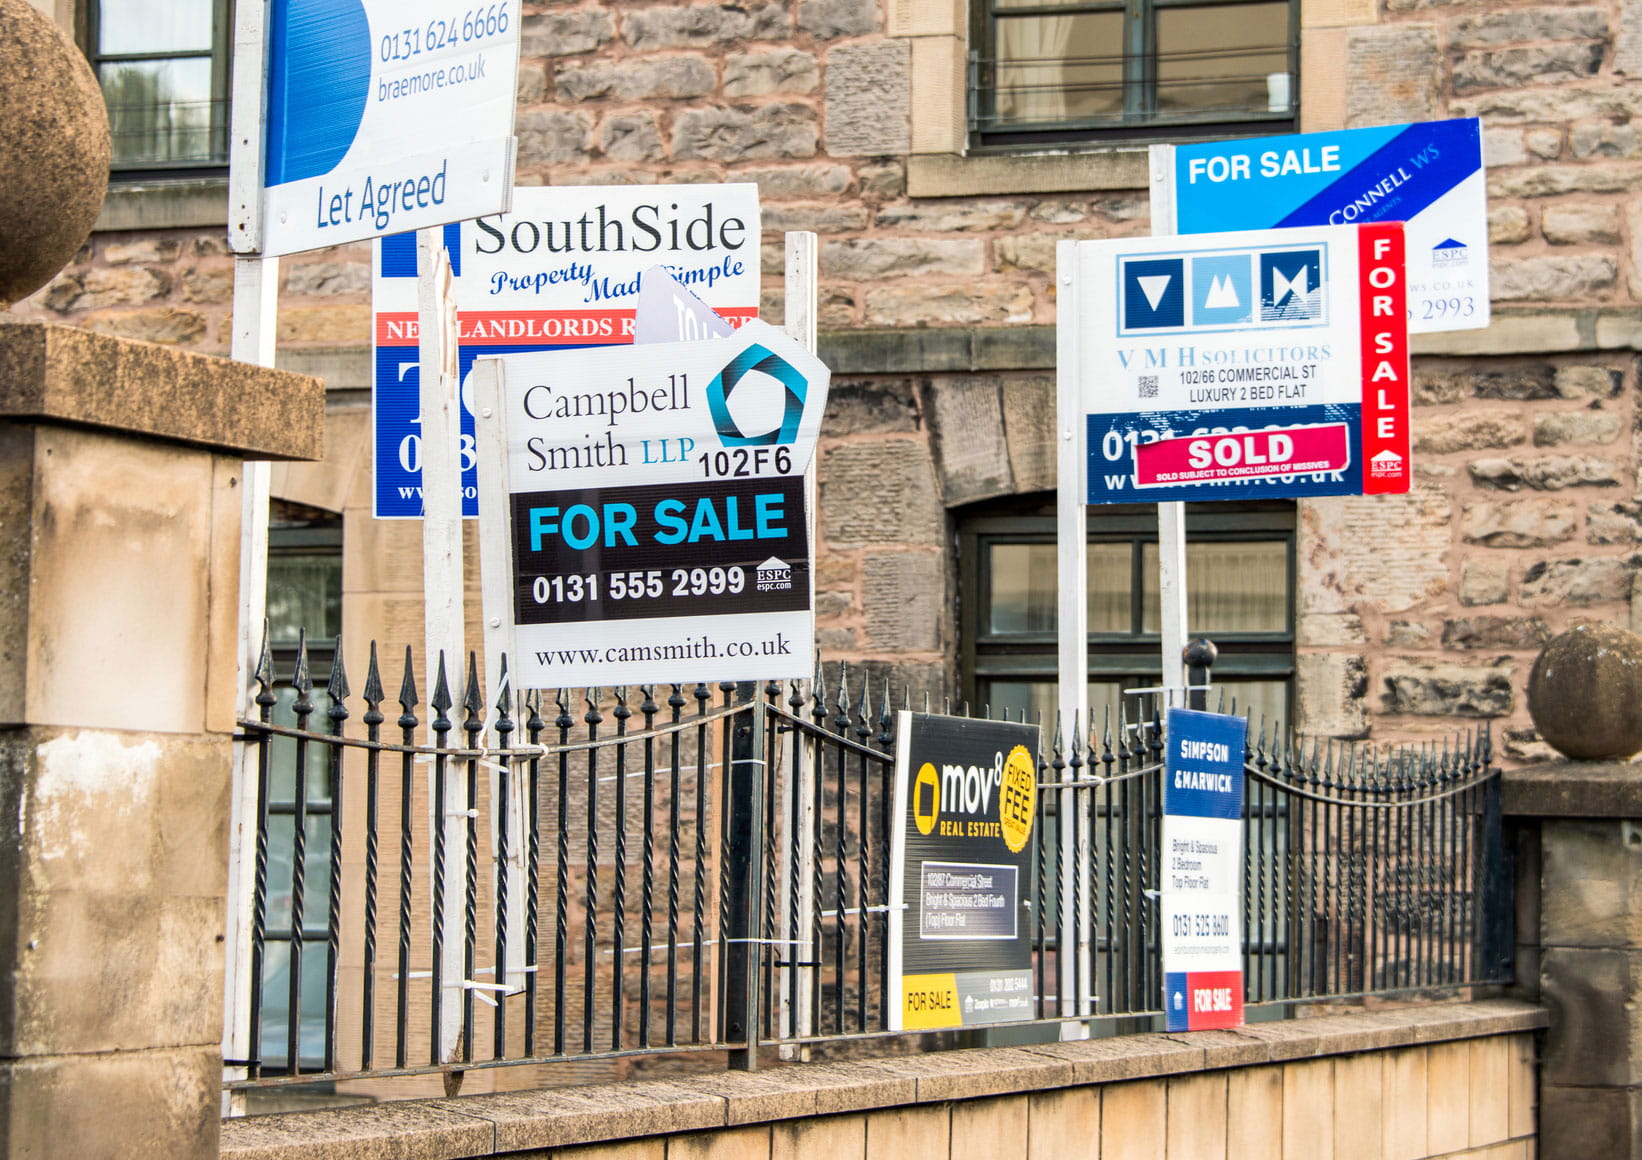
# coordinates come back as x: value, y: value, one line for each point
x: 1246, y: 365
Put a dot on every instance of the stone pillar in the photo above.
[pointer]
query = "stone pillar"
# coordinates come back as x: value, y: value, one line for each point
x: 120, y: 468
x: 1581, y: 949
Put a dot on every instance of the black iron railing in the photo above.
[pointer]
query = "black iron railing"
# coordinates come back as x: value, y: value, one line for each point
x: 681, y: 868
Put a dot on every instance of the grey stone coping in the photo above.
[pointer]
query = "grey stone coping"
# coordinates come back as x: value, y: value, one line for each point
x: 1015, y: 173
x: 165, y: 204
x: 61, y: 374
x: 491, y: 1125
x: 1574, y: 789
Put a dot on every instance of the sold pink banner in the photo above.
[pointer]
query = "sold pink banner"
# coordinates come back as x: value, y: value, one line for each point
x: 1243, y: 455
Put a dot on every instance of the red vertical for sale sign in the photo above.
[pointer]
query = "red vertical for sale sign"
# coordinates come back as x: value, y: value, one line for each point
x: 1384, y: 306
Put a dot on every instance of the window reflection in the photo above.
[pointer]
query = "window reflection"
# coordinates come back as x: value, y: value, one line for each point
x: 163, y: 70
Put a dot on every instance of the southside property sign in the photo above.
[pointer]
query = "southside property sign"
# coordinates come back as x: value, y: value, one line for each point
x: 561, y: 271
x: 1427, y: 175
x: 385, y: 116
x: 657, y: 509
x: 1249, y: 365
x: 961, y: 858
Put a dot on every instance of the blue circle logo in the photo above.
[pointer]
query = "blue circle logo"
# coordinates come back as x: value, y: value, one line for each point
x: 767, y: 362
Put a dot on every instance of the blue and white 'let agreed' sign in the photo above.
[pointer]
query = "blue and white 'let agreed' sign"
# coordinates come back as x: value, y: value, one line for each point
x: 1427, y: 175
x: 386, y: 116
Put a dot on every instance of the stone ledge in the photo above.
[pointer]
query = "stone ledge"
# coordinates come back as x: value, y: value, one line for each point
x: 1071, y: 171
x: 1574, y: 789
x: 62, y: 374
x: 487, y: 1125
x: 938, y: 349
x: 181, y: 203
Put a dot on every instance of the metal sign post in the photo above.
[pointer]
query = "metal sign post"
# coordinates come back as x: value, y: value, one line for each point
x: 256, y: 298
x: 1072, y: 574
x: 443, y: 596
x: 800, y: 321
x: 1171, y: 516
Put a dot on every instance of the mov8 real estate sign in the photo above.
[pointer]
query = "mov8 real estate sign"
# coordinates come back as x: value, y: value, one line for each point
x: 962, y: 848
x: 1248, y: 365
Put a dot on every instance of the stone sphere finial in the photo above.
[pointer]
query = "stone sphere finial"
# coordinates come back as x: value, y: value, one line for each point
x: 1585, y: 693
x: 54, y: 150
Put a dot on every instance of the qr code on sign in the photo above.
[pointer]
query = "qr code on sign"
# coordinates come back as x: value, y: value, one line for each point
x: 1148, y: 386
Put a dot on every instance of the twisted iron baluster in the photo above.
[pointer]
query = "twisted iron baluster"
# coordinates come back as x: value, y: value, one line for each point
x: 373, y: 737
x: 265, y: 701
x: 407, y: 765
x: 473, y: 707
x: 533, y: 736
x: 697, y: 968
x: 565, y: 721
x: 648, y: 709
x: 441, y: 727
x: 622, y: 713
x: 590, y: 905
x: 504, y: 851
x: 675, y: 703
x: 336, y: 692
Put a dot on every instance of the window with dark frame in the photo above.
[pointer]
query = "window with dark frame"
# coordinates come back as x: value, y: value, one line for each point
x: 163, y: 67
x: 1240, y: 569
x: 304, y: 601
x: 1065, y: 70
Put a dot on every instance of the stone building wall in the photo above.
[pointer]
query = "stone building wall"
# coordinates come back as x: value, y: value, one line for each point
x: 937, y: 308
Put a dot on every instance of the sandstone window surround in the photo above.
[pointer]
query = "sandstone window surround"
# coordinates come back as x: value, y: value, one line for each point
x: 943, y: 161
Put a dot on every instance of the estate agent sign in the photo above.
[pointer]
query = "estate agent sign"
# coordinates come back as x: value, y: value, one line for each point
x: 1202, y: 869
x: 1427, y: 175
x: 961, y: 858
x: 1247, y: 365
x: 658, y: 515
x: 385, y: 116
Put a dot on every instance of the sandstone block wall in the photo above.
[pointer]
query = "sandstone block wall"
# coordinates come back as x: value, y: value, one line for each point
x: 1412, y: 611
